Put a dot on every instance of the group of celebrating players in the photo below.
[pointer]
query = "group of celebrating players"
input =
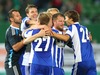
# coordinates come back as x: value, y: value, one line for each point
x: 35, y: 44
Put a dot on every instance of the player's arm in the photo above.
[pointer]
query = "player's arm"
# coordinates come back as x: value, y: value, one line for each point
x: 33, y: 37
x: 60, y: 36
x: 18, y: 46
x: 45, y: 27
x: 31, y: 22
x: 39, y: 27
x: 15, y: 41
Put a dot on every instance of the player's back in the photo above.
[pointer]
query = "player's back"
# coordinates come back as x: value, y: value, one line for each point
x: 42, y: 49
x: 81, y: 43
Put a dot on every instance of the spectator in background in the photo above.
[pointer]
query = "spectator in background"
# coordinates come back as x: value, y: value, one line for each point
x: 96, y: 18
x: 41, y: 4
x: 1, y: 9
x: 17, y: 3
x: 96, y: 2
x: 57, y: 4
x: 7, y: 5
x: 67, y: 5
x: 78, y: 6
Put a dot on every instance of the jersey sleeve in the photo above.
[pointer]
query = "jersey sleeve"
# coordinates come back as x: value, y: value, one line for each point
x: 70, y: 31
x: 28, y: 33
x: 23, y: 24
x: 13, y: 38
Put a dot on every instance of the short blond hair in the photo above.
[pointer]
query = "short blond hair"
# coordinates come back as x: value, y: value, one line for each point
x: 52, y: 9
x: 43, y: 18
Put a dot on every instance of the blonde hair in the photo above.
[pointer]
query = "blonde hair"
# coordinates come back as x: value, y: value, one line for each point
x: 49, y: 14
x: 43, y: 18
x: 51, y: 10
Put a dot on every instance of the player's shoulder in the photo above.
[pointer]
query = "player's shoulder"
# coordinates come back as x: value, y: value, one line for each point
x: 84, y: 27
x: 25, y: 18
x: 54, y: 30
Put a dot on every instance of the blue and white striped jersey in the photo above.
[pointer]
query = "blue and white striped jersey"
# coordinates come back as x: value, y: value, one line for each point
x: 58, y: 52
x: 26, y: 55
x: 23, y: 24
x: 42, y: 49
x: 81, y: 44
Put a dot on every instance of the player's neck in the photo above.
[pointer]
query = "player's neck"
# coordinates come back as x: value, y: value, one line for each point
x: 15, y: 25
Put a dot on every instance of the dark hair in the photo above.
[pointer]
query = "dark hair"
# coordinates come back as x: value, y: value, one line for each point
x: 72, y: 14
x: 29, y: 6
x: 43, y: 18
x: 54, y: 17
x: 10, y: 15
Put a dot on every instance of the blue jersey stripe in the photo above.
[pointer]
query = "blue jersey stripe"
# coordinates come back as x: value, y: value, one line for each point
x: 81, y: 44
x: 58, y: 53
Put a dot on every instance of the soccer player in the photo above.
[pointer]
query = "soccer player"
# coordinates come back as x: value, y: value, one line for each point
x: 28, y: 21
x: 42, y: 46
x: 83, y: 51
x: 58, y: 52
x: 31, y: 17
x: 52, y: 11
x: 14, y: 44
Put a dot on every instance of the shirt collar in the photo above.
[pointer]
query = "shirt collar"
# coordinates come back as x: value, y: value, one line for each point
x: 14, y: 27
x: 76, y: 23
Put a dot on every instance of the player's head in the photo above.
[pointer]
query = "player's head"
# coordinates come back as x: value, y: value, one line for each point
x: 14, y: 16
x: 31, y: 11
x: 43, y: 18
x: 71, y: 16
x: 58, y: 21
x: 53, y: 10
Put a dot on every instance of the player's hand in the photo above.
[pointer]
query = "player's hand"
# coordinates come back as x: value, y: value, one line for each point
x: 90, y: 36
x: 41, y: 33
x: 31, y: 22
x: 48, y: 32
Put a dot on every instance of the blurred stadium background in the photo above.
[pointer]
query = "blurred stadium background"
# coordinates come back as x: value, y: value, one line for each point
x: 90, y: 17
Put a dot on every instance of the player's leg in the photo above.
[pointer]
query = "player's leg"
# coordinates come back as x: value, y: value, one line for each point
x: 40, y: 70
x: 58, y: 71
x: 47, y: 70
x: 25, y: 70
x: 92, y: 68
x: 36, y: 69
x: 92, y: 72
x: 14, y: 70
x: 84, y: 68
x: 78, y: 69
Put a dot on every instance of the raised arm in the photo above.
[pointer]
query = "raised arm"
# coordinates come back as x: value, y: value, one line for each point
x: 60, y: 36
x: 33, y: 37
